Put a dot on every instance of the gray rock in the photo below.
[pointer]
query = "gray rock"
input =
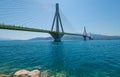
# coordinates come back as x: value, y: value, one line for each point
x: 44, y: 74
x: 60, y: 75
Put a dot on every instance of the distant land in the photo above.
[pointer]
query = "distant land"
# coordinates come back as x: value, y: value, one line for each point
x: 72, y: 37
x: 2, y: 39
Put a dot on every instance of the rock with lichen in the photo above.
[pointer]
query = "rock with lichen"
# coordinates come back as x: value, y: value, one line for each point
x: 3, y: 75
x: 25, y: 73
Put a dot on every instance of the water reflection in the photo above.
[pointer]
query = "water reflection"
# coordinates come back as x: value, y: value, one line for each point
x: 57, y: 56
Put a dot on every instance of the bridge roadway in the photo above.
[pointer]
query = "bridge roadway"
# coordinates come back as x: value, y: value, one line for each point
x: 11, y: 27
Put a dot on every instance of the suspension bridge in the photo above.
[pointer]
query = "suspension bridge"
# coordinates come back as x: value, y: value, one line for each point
x: 56, y: 33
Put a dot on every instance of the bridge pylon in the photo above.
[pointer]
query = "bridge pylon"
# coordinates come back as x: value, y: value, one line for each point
x: 57, y: 22
x: 90, y: 37
x: 84, y: 33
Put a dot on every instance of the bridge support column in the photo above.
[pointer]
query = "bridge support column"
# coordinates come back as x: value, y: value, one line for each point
x: 57, y: 36
x: 84, y: 37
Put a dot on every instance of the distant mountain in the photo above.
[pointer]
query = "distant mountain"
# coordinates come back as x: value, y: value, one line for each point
x: 105, y: 37
x: 4, y: 39
x: 41, y: 38
x: 72, y: 37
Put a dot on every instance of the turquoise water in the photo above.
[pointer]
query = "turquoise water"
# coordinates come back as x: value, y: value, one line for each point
x: 72, y: 58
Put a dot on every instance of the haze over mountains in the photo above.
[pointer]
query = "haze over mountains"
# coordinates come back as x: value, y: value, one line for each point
x: 71, y: 37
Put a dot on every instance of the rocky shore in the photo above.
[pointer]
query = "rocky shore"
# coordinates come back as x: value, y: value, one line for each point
x: 26, y: 73
x: 33, y: 73
x: 3, y: 75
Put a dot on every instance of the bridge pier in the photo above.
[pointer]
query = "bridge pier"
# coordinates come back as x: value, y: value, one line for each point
x: 57, y: 36
x: 84, y: 37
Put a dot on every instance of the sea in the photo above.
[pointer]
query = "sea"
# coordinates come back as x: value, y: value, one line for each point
x: 78, y: 58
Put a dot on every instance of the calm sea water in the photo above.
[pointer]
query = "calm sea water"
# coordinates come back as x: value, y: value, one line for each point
x: 72, y: 58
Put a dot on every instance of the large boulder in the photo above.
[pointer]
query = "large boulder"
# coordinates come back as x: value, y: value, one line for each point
x: 25, y: 73
x: 35, y: 73
x: 3, y: 75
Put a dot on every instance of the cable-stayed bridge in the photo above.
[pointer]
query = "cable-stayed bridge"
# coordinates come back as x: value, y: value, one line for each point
x: 56, y: 33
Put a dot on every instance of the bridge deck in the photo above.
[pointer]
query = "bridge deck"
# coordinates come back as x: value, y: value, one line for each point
x: 10, y: 27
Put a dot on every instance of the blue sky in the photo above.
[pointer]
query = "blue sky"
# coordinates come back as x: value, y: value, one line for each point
x: 99, y: 16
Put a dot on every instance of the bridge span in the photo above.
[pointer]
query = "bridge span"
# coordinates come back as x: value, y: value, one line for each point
x: 57, y: 34
x: 11, y: 27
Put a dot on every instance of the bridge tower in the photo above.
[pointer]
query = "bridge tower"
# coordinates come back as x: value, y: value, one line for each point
x: 84, y: 33
x: 90, y: 37
x: 57, y: 34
